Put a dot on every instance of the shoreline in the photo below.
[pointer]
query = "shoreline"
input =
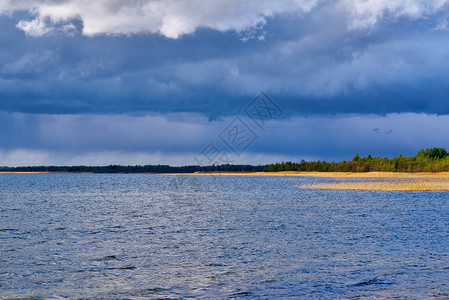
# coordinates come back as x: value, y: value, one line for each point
x: 343, y: 181
x: 330, y: 174
x: 399, y: 175
x: 392, y: 186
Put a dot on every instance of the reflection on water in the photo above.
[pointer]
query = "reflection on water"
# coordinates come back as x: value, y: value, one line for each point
x: 161, y: 236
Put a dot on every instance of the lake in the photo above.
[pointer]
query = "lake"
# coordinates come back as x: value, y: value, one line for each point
x: 167, y: 236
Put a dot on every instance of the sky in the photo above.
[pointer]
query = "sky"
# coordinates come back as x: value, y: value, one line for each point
x: 186, y: 82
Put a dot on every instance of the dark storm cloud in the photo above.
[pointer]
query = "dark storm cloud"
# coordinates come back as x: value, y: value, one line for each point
x: 310, y: 65
x: 33, y: 139
x: 106, y: 86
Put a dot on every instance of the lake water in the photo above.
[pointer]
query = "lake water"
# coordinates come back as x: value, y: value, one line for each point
x: 163, y: 236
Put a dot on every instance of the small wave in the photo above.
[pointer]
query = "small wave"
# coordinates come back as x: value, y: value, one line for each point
x: 240, y: 294
x: 107, y: 258
x: 371, y: 282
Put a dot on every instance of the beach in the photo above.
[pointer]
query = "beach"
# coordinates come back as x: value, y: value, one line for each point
x: 366, y: 181
x: 369, y: 181
x: 334, y: 174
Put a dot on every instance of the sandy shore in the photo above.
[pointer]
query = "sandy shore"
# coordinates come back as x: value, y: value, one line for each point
x: 439, y: 175
x: 392, y: 186
x: 370, y: 181
x: 423, y: 175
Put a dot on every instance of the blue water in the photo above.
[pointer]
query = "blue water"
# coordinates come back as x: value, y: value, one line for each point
x: 162, y: 236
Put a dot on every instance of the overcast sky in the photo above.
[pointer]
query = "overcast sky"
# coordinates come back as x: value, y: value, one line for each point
x: 149, y: 82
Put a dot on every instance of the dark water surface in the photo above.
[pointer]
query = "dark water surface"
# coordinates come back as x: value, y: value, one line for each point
x: 161, y: 236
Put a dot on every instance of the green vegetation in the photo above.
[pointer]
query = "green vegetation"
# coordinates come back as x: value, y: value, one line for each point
x: 429, y: 160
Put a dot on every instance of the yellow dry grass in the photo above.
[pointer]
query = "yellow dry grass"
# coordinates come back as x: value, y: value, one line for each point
x: 369, y: 181
x: 423, y: 175
x: 399, y: 175
x: 392, y: 186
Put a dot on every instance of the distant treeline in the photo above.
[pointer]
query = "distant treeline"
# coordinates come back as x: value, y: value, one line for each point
x: 429, y: 160
x: 136, y: 169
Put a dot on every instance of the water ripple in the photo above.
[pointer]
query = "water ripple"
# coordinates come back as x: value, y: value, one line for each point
x: 171, y: 237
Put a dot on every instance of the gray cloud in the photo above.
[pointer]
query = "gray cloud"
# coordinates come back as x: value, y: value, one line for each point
x: 319, y: 68
x: 99, y: 82
x: 177, y: 138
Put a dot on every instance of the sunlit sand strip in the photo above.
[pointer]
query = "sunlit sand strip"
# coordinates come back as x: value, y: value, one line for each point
x: 436, y: 175
x: 392, y: 186
x: 374, y: 175
x: 398, y: 175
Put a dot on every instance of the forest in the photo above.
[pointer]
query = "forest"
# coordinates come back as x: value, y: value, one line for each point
x: 428, y: 160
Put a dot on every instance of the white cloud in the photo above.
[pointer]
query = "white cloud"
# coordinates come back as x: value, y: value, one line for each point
x: 171, y: 18
x: 174, y: 18
x: 366, y: 13
x: 36, y: 27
